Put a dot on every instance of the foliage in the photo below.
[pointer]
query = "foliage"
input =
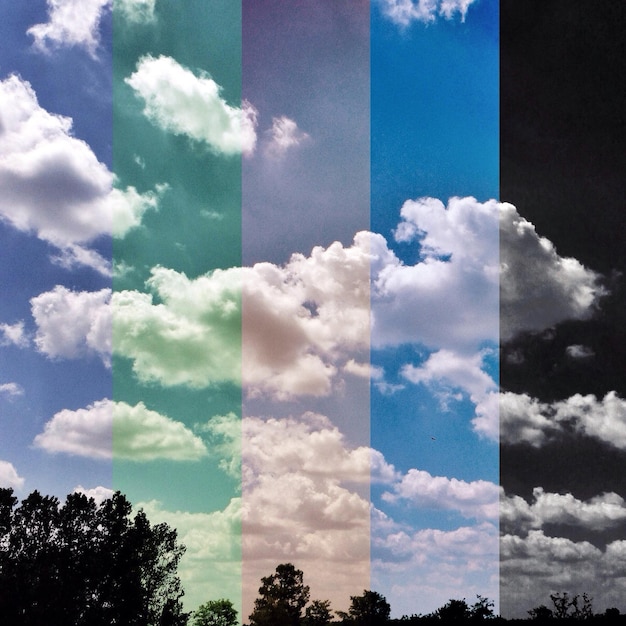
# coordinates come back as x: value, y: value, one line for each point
x: 215, y: 613
x: 86, y: 564
x: 541, y: 613
x: 368, y: 609
x: 564, y: 606
x: 318, y: 613
x: 283, y: 596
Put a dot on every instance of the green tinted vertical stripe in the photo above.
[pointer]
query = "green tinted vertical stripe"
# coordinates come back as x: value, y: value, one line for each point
x: 177, y: 327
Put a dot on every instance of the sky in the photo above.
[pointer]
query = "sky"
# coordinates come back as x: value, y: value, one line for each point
x: 285, y: 274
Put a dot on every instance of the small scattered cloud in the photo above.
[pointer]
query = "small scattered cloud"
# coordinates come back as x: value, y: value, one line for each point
x: 405, y: 12
x: 577, y: 351
x: 99, y: 494
x: 137, y: 11
x: 14, y: 335
x: 283, y: 137
x: 539, y: 288
x: 134, y: 433
x: 70, y: 23
x: 527, y: 420
x: 128, y: 207
x: 11, y: 389
x: 183, y: 103
x: 9, y: 478
x: 73, y: 324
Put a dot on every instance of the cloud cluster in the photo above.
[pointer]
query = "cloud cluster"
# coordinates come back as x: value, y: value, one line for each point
x: 283, y: 136
x: 99, y: 494
x: 476, y: 499
x: 72, y: 324
x: 404, y: 12
x: 527, y: 420
x: 133, y: 433
x: 180, y: 102
x: 140, y: 11
x: 598, y: 513
x: 71, y: 23
x: 538, y: 287
x: 534, y: 566
x: 9, y: 476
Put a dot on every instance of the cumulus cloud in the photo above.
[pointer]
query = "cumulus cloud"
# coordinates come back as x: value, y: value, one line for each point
x: 449, y: 298
x: 128, y: 207
x: 431, y: 565
x: 283, y: 136
x: 577, y: 351
x: 536, y: 565
x: 73, y: 324
x: 11, y: 389
x: 404, y: 12
x: 71, y: 23
x: 14, y: 334
x: 477, y: 499
x: 133, y: 432
x: 140, y: 11
x: 598, y: 513
x: 527, y: 420
x: 180, y: 102
x: 224, y: 433
x: 539, y: 288
x: 99, y: 494
x: 9, y: 476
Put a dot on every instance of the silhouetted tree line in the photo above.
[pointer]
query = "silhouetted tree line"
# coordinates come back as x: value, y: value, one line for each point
x: 81, y: 563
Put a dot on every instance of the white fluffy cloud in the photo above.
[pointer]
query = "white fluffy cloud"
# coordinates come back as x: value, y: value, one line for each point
x: 538, y: 287
x: 72, y: 324
x: 128, y: 207
x: 577, y: 351
x: 534, y: 566
x: 71, y: 23
x: 136, y: 10
x: 283, y: 136
x: 11, y: 389
x: 9, y: 476
x: 13, y: 334
x: 597, y: 513
x: 185, y: 104
x: 133, y: 432
x: 99, y: 494
x: 404, y: 12
x: 477, y: 499
x: 527, y: 420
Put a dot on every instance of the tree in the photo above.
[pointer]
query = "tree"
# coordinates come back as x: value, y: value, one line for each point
x: 481, y: 609
x: 579, y: 610
x: 454, y: 611
x: 86, y: 564
x: 318, y: 613
x: 215, y: 613
x: 283, y: 596
x: 541, y: 613
x: 368, y: 609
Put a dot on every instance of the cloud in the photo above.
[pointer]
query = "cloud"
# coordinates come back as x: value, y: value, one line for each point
x: 99, y: 494
x: 11, y: 389
x: 224, y: 433
x: 133, y: 433
x: 449, y: 299
x: 128, y: 207
x: 52, y: 183
x: 534, y: 566
x: 14, y: 334
x: 538, y: 287
x: 420, y: 570
x: 140, y: 11
x: 445, y: 370
x: 578, y: 351
x: 598, y: 513
x: 527, y: 420
x: 283, y: 136
x: 404, y: 12
x: 478, y: 499
x: 180, y: 102
x: 71, y: 23
x: 73, y: 324
x: 9, y: 478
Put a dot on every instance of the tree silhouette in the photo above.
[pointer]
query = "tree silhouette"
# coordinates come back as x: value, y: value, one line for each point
x: 86, y: 564
x: 318, y: 613
x: 215, y: 613
x: 283, y: 596
x: 368, y: 609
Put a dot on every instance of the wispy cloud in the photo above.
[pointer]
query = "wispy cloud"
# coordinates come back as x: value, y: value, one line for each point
x: 283, y: 137
x: 404, y: 12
